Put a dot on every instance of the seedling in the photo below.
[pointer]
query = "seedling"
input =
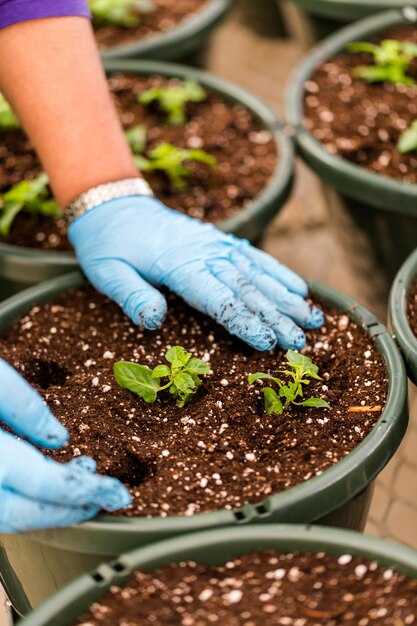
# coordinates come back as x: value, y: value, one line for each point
x: 125, y: 13
x: 392, y: 59
x: 8, y: 119
x: 31, y: 196
x: 170, y: 160
x: 183, y: 374
x: 408, y: 140
x: 137, y: 138
x: 300, y: 370
x: 173, y: 100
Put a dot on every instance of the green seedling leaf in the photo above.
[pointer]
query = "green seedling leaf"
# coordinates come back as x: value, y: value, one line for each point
x: 30, y: 196
x: 408, y: 140
x: 170, y: 160
x: 173, y: 100
x: 8, y: 119
x: 137, y: 138
x: 392, y: 59
x: 183, y: 376
x: 124, y: 13
x: 300, y: 369
x: 137, y: 378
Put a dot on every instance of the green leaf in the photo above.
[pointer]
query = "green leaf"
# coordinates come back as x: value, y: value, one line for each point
x: 137, y: 138
x: 260, y: 376
x: 408, y: 140
x: 273, y: 404
x: 391, y: 61
x: 160, y: 371
x: 361, y: 46
x: 173, y: 99
x: 8, y: 119
x: 125, y: 13
x: 137, y: 378
x: 318, y: 403
x: 302, y: 364
x: 197, y: 366
x: 7, y: 216
x: 184, y: 382
x: 179, y: 354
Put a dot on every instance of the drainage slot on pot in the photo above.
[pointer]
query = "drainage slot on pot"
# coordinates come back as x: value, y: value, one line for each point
x: 240, y: 516
x: 118, y: 567
x: 262, y: 509
x: 133, y: 471
x: 97, y: 577
x: 45, y: 374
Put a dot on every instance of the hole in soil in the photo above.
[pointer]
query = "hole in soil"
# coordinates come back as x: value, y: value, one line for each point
x: 133, y: 471
x: 45, y: 374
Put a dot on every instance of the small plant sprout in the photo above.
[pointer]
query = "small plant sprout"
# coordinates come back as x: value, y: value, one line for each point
x: 173, y: 100
x: 408, y: 140
x: 124, y: 13
x: 136, y: 137
x: 300, y: 370
x: 31, y: 196
x: 8, y: 119
x: 392, y: 59
x: 182, y: 373
x: 170, y: 160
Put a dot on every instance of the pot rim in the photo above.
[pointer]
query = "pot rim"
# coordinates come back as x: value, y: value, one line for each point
x: 353, y: 180
x: 347, y: 10
x: 217, y: 547
x: 320, y: 495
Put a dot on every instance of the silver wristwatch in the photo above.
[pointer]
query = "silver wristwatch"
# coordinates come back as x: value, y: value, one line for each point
x: 102, y: 193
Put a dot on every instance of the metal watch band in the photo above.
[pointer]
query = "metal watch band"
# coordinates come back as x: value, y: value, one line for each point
x: 102, y: 193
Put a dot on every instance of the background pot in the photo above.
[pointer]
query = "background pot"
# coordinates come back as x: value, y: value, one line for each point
x: 376, y: 215
x: 216, y: 548
x: 33, y: 565
x: 22, y: 267
x: 312, y: 20
x: 186, y: 40
x: 404, y: 335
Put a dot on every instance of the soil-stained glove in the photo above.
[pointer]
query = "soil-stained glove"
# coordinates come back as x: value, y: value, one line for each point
x: 36, y: 492
x: 127, y: 245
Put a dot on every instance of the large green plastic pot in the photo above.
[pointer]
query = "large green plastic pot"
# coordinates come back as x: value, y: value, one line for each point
x: 22, y: 267
x: 35, y: 564
x: 324, y: 17
x: 216, y: 547
x: 179, y: 43
x: 398, y: 301
x: 376, y: 215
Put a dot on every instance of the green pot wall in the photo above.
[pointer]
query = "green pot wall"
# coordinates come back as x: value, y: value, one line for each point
x: 404, y: 336
x: 377, y: 215
x: 182, y: 42
x: 216, y: 547
x: 33, y: 565
x: 22, y: 267
x: 324, y: 17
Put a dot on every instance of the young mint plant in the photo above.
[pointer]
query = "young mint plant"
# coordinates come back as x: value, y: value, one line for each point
x: 8, y: 119
x: 391, y: 61
x: 173, y: 100
x: 300, y: 370
x: 182, y: 373
x: 408, y: 140
x: 31, y: 196
x: 136, y: 137
x: 170, y: 160
x: 124, y: 13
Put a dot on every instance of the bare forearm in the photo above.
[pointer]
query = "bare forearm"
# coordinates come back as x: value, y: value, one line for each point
x: 51, y: 74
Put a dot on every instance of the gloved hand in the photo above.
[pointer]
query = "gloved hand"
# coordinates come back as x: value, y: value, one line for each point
x: 127, y: 245
x: 36, y: 492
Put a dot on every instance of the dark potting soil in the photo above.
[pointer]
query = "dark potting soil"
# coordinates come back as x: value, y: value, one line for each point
x: 262, y: 588
x: 221, y: 450
x: 412, y: 308
x: 245, y: 153
x: 359, y: 121
x: 167, y: 14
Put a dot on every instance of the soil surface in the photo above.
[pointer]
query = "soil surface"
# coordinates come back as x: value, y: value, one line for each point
x: 259, y: 589
x: 412, y: 308
x: 246, y: 156
x: 359, y: 121
x: 167, y: 14
x: 221, y: 450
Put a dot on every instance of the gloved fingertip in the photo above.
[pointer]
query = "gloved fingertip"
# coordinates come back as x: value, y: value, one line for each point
x: 112, y: 495
x: 149, y: 313
x: 316, y: 318
x: 264, y: 339
x: 294, y: 340
x: 85, y: 463
x: 153, y: 315
x: 55, y: 434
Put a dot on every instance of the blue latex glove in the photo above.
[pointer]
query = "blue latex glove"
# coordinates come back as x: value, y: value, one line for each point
x: 125, y: 246
x: 36, y: 492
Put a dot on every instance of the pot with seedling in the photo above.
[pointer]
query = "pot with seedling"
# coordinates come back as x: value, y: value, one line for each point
x: 351, y: 106
x: 155, y: 29
x: 204, y: 431
x: 191, y: 135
